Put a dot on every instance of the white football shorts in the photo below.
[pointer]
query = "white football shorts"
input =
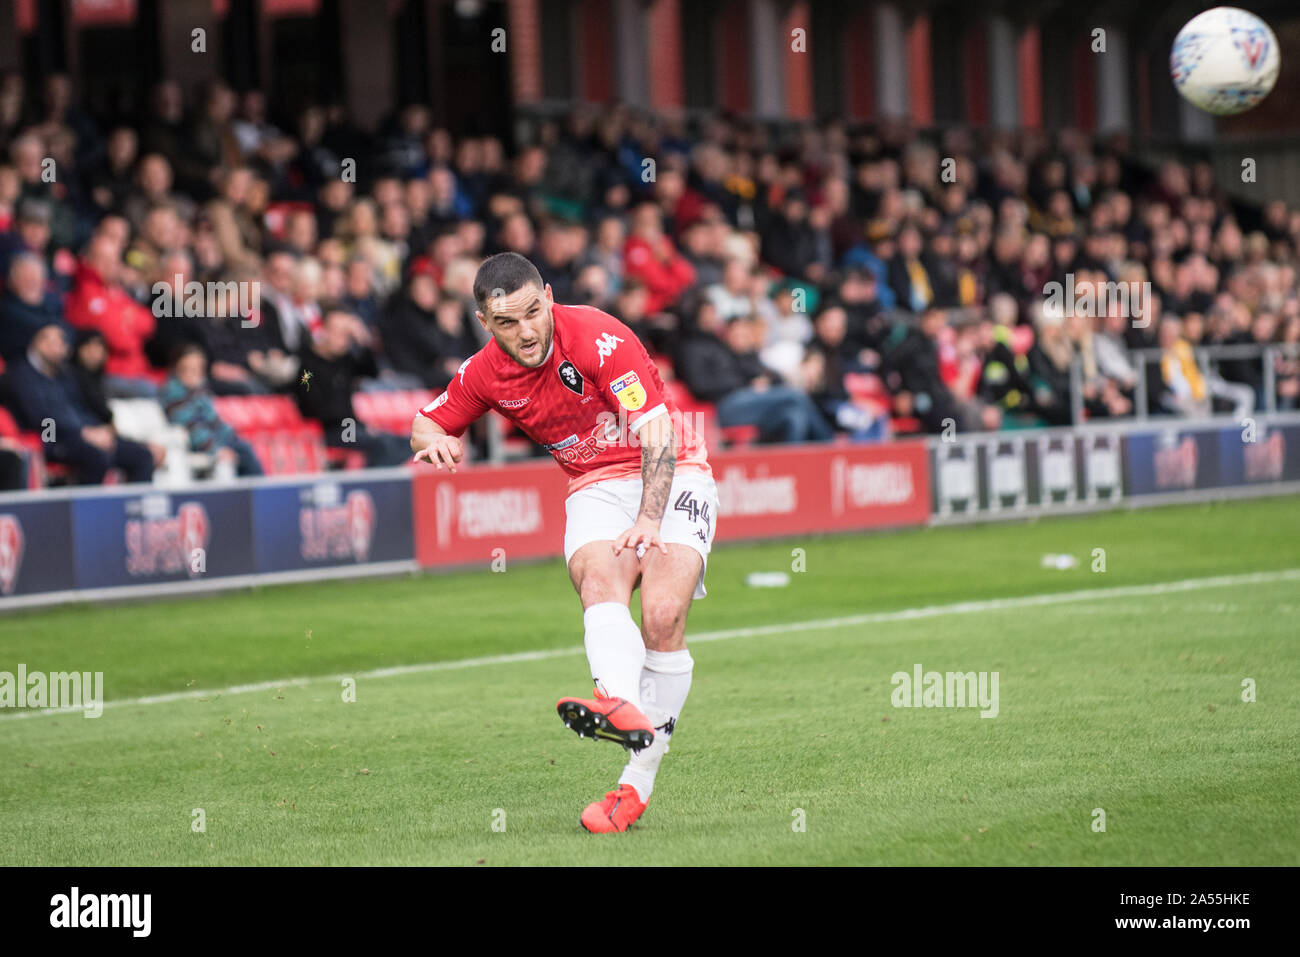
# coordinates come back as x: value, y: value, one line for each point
x: 605, y: 510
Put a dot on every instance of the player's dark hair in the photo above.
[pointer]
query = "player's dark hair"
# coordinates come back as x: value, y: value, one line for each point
x: 501, y: 275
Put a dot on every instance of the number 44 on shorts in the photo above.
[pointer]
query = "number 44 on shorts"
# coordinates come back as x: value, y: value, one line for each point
x: 697, y: 512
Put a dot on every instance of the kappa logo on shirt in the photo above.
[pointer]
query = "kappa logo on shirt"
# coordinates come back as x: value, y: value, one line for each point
x: 515, y: 403
x: 606, y: 345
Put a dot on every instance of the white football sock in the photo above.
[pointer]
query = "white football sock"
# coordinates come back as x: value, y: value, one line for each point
x: 665, y: 683
x: 615, y: 650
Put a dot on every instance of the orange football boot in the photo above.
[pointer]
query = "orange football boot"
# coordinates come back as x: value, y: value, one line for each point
x: 614, y: 719
x: 616, y: 813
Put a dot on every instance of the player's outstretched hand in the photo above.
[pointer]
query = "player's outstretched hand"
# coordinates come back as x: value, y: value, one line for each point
x: 642, y: 533
x: 443, y: 449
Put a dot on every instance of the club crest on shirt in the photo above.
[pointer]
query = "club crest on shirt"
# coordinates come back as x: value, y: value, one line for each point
x: 629, y: 391
x: 570, y: 376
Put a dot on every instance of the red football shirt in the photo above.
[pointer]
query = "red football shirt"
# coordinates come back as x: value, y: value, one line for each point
x: 584, y: 404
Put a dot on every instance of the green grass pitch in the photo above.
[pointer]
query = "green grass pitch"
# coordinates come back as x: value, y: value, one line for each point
x: 1128, y: 701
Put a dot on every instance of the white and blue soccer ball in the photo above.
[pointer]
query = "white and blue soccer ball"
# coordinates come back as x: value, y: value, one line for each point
x: 1225, y: 60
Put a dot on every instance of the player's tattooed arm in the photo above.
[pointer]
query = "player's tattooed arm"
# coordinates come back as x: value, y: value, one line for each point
x: 658, y: 463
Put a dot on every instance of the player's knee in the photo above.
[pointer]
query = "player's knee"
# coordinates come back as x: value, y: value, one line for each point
x: 601, y: 585
x: 662, y: 621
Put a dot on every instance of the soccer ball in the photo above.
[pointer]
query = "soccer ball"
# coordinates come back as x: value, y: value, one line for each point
x: 1224, y: 60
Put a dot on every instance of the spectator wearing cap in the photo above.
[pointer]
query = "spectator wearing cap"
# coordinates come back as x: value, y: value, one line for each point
x: 45, y: 394
x: 26, y: 305
x: 98, y: 301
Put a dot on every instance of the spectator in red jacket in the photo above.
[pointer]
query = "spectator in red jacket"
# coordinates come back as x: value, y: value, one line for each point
x: 98, y: 301
x: 649, y: 255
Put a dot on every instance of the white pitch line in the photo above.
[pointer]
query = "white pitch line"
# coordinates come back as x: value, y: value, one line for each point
x: 818, y: 624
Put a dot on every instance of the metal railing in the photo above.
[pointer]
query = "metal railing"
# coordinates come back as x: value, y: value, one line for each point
x: 1207, y: 359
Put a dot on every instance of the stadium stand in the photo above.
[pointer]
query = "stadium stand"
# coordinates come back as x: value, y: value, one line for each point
x: 816, y: 259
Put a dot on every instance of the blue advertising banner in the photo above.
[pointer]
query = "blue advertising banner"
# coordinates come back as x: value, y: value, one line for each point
x: 159, y: 536
x: 1173, y: 460
x: 1259, y: 453
x: 35, y: 544
x: 332, y: 522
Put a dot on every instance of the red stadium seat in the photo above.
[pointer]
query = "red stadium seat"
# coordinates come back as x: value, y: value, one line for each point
x: 285, y: 442
x: 8, y: 427
x: 345, y: 458
x: 702, y: 414
x: 740, y: 436
x: 391, y: 411
x: 864, y: 385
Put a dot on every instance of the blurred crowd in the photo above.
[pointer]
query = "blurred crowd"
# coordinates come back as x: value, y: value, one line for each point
x: 806, y: 283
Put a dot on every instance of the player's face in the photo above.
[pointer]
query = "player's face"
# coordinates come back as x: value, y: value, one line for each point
x: 522, y: 324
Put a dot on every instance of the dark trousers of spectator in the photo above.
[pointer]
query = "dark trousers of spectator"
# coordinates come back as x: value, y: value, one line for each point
x: 13, y: 471
x: 780, y: 411
x: 249, y: 464
x: 380, y: 448
x: 92, y: 463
